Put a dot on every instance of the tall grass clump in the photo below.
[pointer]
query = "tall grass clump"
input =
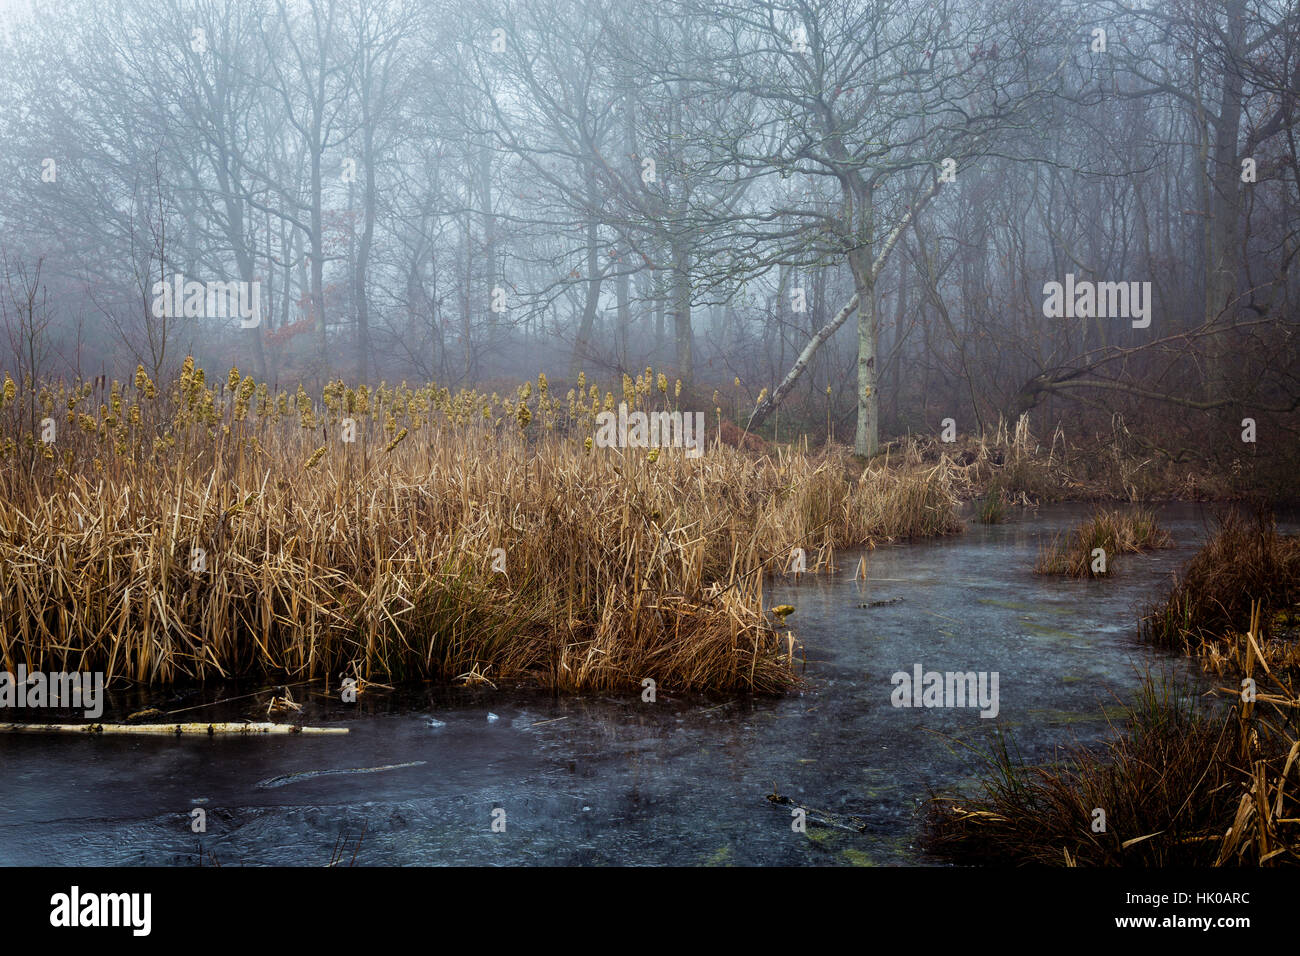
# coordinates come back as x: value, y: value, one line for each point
x: 903, y: 497
x: 1113, y: 531
x: 992, y: 507
x: 200, y: 529
x: 1178, y: 786
x: 1244, y: 559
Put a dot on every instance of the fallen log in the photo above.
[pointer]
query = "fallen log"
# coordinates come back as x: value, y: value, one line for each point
x: 175, y: 730
x: 821, y: 818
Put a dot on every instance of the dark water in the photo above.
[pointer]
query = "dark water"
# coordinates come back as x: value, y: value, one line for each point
x: 601, y: 780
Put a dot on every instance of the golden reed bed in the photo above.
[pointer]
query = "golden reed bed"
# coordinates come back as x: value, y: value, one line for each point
x: 196, y: 531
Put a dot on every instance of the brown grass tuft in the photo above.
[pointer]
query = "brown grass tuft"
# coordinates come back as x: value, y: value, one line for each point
x: 1244, y: 559
x: 1114, y: 532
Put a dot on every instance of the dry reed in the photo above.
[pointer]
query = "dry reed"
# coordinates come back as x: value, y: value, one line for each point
x: 193, y: 531
x: 1113, y: 532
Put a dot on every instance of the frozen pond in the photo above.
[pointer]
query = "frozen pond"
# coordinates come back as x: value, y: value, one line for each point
x: 613, y: 780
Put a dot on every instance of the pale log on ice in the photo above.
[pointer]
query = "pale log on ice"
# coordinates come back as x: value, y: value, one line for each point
x: 168, y: 729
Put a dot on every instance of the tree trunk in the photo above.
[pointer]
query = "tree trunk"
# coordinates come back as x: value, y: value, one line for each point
x: 582, y: 347
x: 363, y: 260
x: 1223, y: 265
x: 867, y: 439
x: 682, y: 310
x: 318, y: 257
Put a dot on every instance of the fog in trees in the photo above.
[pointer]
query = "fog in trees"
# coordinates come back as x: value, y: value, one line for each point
x: 837, y: 215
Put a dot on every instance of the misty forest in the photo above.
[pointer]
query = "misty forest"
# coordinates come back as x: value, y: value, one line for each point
x: 877, y: 419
